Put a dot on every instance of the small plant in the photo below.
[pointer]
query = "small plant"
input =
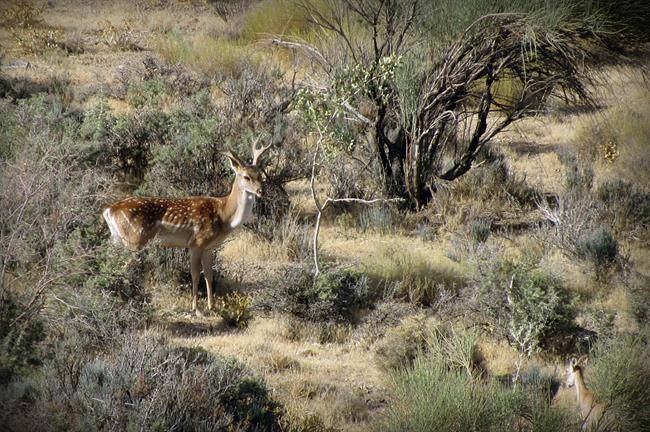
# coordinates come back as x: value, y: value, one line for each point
x: 610, y: 152
x: 235, y: 309
x: 480, y: 230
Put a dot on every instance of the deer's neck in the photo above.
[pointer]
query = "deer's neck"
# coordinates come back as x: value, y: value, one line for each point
x: 581, y: 388
x: 239, y: 206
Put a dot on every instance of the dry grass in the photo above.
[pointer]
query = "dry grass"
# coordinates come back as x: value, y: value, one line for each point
x: 413, y: 276
x: 205, y: 54
x: 273, y: 18
x: 337, y: 382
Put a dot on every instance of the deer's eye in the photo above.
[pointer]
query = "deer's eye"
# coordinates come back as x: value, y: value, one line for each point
x: 247, y: 178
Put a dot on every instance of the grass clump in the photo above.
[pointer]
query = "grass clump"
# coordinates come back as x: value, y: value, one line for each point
x: 598, y: 246
x: 620, y: 375
x: 435, y: 394
x: 411, y: 277
x: 210, y: 56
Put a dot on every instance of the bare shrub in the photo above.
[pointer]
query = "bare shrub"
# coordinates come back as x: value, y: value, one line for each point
x: 580, y: 232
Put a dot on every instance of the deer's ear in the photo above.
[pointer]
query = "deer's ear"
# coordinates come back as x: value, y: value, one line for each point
x: 573, y: 362
x: 235, y: 163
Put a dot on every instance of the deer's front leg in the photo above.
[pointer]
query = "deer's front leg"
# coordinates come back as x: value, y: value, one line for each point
x: 195, y: 268
x: 206, y: 261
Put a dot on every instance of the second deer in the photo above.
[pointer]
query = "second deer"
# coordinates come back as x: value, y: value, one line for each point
x: 198, y: 223
x: 592, y: 412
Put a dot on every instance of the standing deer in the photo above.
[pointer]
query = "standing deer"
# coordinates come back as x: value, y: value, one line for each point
x: 590, y: 410
x: 198, y: 223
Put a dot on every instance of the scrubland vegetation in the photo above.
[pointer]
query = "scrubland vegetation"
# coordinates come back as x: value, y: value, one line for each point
x: 498, y: 155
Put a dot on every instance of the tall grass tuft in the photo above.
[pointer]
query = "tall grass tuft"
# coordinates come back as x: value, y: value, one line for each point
x: 620, y: 376
x: 431, y: 396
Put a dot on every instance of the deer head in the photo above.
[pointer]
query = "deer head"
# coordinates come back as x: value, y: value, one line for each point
x: 248, y: 177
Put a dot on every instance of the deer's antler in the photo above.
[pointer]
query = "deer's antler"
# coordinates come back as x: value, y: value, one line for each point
x: 259, y: 151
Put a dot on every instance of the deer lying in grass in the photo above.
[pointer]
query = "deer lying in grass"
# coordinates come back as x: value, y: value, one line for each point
x: 592, y: 412
x: 198, y: 223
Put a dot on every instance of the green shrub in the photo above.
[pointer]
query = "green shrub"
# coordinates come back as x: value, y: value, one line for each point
x: 431, y: 396
x: 234, y: 308
x: 523, y: 303
x: 20, y: 332
x: 378, y: 218
x: 335, y: 295
x: 599, y: 247
x: 619, y: 373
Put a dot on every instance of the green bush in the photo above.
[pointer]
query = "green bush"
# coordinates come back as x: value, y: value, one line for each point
x: 619, y: 373
x: 431, y: 396
x: 599, y: 247
x: 523, y: 303
x: 335, y: 295
x: 20, y: 332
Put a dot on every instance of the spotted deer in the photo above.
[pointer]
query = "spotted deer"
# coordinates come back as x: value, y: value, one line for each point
x: 592, y: 412
x: 199, y: 223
